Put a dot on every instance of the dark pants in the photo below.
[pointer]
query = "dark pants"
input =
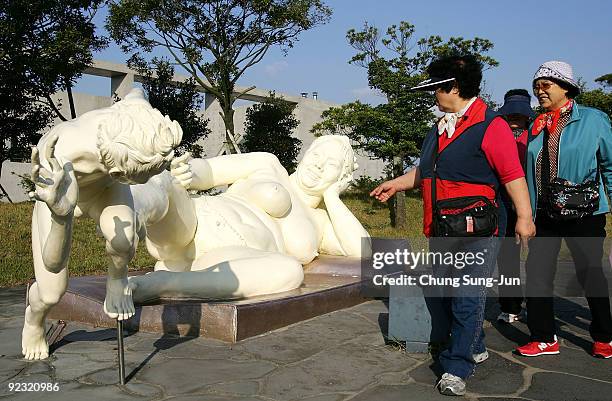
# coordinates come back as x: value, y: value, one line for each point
x: 457, y: 313
x: 584, y: 238
x: 509, y: 265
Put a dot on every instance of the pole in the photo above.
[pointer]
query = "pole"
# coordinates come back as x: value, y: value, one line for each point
x: 120, y: 351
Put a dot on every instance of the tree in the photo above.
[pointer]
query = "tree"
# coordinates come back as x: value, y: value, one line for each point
x: 215, y: 41
x: 395, y: 131
x: 47, y: 45
x: 179, y: 100
x: 44, y: 47
x: 598, y: 98
x: 605, y: 80
x: 268, y: 128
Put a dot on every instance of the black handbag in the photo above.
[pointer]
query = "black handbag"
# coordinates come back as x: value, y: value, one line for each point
x: 566, y: 200
x: 466, y: 216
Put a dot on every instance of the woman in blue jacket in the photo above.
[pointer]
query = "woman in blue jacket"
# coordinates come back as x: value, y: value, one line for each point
x: 569, y: 175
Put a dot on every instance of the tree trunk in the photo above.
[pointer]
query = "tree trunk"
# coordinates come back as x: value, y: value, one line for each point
x: 70, y: 100
x: 1, y: 187
x: 228, y: 121
x: 4, y: 193
x: 400, y: 197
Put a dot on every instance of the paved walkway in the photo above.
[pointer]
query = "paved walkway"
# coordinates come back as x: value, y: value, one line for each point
x: 334, y: 357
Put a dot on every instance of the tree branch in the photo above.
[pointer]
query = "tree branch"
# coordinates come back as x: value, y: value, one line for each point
x: 54, y: 107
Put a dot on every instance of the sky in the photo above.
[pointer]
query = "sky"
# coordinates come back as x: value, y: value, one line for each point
x: 525, y: 34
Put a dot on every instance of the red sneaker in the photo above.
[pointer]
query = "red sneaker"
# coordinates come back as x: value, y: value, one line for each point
x: 536, y: 348
x: 602, y: 350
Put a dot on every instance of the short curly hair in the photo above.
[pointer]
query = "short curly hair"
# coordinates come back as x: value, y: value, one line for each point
x: 466, y: 70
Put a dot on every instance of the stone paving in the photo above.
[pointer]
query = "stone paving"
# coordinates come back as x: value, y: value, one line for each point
x: 338, y: 356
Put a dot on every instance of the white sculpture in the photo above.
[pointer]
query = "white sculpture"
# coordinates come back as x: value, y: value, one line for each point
x: 250, y: 240
x: 254, y: 238
x: 100, y: 153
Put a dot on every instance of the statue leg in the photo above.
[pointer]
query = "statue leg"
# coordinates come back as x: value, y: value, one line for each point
x: 243, y: 273
x: 115, y: 215
x: 44, y: 293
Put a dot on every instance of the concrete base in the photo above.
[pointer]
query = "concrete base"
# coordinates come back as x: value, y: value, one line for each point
x: 409, y: 318
x: 330, y: 283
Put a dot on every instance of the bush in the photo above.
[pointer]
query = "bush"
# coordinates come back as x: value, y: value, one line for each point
x: 269, y: 127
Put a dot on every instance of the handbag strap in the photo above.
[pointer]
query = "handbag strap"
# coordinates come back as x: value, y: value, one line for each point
x: 434, y: 176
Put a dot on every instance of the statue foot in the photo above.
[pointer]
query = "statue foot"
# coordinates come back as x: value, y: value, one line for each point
x: 118, y: 303
x: 33, y: 343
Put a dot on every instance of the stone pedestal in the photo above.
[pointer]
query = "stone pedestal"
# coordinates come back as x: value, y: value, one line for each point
x: 409, y: 318
x: 330, y: 283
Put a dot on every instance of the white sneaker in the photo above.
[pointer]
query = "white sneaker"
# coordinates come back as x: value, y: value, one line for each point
x: 480, y: 358
x: 451, y: 385
x: 508, y: 317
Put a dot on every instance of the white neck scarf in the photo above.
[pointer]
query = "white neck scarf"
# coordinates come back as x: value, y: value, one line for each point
x: 448, y: 122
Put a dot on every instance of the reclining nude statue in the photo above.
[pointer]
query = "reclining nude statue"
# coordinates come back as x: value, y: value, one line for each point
x: 254, y: 238
x: 251, y: 240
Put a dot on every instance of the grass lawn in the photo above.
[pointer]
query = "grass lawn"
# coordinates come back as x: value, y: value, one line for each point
x: 88, y: 255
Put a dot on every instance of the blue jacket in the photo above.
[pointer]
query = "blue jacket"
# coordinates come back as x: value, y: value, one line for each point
x: 587, y: 134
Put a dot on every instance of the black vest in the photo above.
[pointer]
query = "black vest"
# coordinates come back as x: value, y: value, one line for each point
x: 462, y: 160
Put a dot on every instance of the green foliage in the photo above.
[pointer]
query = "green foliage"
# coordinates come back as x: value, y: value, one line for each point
x: 215, y: 41
x: 598, y: 98
x: 268, y: 128
x: 44, y: 47
x: 179, y: 100
x: 25, y: 182
x: 395, y: 129
x: 605, y: 80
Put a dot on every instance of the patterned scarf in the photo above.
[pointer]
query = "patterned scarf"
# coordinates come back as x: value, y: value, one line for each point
x: 554, y: 121
x: 550, y: 120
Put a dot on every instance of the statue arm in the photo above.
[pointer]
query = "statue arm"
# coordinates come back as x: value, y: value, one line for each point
x: 202, y: 174
x: 342, y: 233
x: 55, y: 189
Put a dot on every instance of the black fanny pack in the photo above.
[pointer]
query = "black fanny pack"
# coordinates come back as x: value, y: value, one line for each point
x: 468, y: 216
x: 566, y: 200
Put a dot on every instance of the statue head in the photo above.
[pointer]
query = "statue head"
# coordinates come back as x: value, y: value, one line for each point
x: 136, y: 141
x: 329, y: 159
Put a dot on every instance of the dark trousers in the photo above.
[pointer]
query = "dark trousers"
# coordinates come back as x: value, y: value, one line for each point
x: 584, y: 238
x: 509, y: 265
x: 457, y: 313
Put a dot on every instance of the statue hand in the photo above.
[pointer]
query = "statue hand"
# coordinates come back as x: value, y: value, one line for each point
x: 181, y: 170
x: 340, y: 186
x: 57, y: 188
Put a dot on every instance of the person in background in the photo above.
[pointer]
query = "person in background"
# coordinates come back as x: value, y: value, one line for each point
x: 464, y: 157
x: 569, y: 174
x: 518, y: 113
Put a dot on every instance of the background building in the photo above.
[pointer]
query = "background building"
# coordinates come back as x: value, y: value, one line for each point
x: 122, y: 80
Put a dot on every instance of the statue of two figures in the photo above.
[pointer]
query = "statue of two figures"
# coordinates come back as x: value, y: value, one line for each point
x: 111, y: 165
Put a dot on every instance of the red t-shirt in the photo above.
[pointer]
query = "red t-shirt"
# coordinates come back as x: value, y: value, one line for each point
x: 500, y: 150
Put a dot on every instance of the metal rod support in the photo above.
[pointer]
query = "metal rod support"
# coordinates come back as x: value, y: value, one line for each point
x: 120, y: 351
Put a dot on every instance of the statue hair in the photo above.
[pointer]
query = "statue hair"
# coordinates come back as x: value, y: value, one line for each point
x: 136, y: 140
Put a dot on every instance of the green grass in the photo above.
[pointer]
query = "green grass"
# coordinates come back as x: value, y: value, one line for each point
x: 88, y: 255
